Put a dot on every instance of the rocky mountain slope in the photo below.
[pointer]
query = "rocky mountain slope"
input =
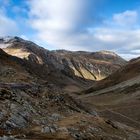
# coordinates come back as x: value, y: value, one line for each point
x: 128, y: 72
x: 41, y: 68
x: 32, y: 108
x: 91, y: 66
x: 118, y: 96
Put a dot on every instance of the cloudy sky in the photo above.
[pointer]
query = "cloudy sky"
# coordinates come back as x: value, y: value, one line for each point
x: 88, y: 25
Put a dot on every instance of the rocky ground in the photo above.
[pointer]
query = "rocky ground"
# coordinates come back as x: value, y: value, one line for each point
x: 37, y: 112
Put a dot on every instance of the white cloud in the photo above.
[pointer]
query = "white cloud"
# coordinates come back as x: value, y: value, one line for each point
x: 56, y: 20
x: 126, y: 18
x: 24, y: 37
x: 137, y: 51
x: 62, y: 24
x: 7, y: 25
x: 129, y: 56
x: 118, y: 36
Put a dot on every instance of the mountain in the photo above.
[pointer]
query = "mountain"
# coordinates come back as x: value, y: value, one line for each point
x: 72, y: 71
x: 128, y: 72
x: 118, y: 96
x: 33, y: 108
x: 34, y: 60
x: 93, y: 66
x: 87, y: 65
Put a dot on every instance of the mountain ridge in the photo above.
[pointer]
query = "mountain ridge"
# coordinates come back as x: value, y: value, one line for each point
x: 96, y: 65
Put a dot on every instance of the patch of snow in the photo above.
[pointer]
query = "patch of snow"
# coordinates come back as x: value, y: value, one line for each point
x: 2, y: 45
